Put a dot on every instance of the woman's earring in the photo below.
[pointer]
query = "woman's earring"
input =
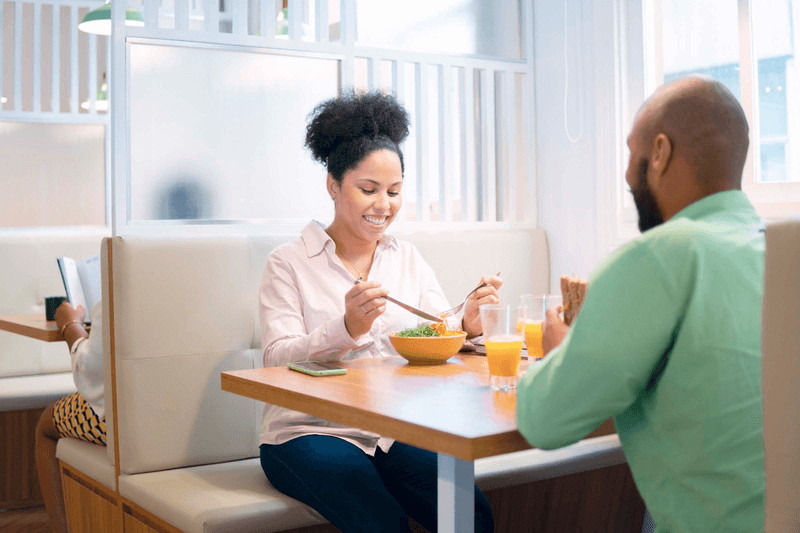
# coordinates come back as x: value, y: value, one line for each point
x: 333, y: 198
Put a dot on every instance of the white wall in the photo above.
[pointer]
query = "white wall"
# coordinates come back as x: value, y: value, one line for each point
x: 568, y: 183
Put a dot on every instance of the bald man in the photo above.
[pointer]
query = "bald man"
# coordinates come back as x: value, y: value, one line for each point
x: 668, y: 341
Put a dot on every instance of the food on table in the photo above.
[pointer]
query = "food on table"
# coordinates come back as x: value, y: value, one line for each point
x: 573, y: 291
x: 438, y: 329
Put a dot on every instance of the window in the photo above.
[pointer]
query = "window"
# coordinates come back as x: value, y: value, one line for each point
x: 748, y: 46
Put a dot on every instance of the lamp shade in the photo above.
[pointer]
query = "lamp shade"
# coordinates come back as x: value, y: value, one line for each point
x: 98, y: 20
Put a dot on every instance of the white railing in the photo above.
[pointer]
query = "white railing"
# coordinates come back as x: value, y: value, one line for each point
x: 25, y: 101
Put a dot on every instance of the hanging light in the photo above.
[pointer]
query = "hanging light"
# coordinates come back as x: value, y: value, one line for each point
x: 98, y: 21
x: 101, y: 102
x: 3, y: 99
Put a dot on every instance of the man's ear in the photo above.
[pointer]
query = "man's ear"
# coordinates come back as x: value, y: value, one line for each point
x: 660, y: 157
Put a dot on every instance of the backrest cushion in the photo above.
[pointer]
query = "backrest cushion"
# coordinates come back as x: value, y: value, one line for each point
x: 183, y: 313
x: 186, y: 309
x: 781, y: 375
x: 29, y: 272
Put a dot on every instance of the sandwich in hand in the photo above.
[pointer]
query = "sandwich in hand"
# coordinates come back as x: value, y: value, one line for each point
x: 573, y: 291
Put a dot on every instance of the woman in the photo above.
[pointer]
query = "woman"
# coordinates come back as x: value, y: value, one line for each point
x: 80, y: 415
x: 312, y: 309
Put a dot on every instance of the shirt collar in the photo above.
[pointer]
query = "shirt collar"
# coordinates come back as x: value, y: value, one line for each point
x: 721, y: 201
x: 316, y: 239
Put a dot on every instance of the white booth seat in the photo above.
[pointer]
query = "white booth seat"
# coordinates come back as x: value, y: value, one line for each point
x: 29, y: 272
x: 90, y: 459
x: 781, y: 375
x: 184, y: 310
x: 19, y: 393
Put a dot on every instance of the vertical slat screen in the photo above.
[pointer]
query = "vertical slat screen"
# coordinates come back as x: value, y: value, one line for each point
x: 92, y: 85
x: 55, y: 60
x: 322, y: 22
x: 421, y: 97
x: 347, y: 23
x: 182, y: 15
x: 468, y: 157
x: 489, y: 152
x: 2, y: 48
x: 73, y: 59
x: 151, y: 14
x: 399, y: 80
x: 267, y: 19
x: 211, y: 14
x: 37, y: 58
x: 295, y: 20
x: 18, y: 57
x: 511, y: 109
x: 501, y: 183
x: 374, y: 73
x: 445, y: 142
x: 239, y: 8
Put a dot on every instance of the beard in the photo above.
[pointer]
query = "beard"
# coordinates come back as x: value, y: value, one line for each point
x: 646, y: 205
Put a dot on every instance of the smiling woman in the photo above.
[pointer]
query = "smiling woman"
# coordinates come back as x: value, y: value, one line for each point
x: 322, y: 299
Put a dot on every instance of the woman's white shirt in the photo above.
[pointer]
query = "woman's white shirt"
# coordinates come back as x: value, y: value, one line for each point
x: 87, y: 363
x: 301, y: 307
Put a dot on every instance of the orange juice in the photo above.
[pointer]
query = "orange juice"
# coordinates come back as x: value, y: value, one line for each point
x: 533, y: 338
x: 503, y: 355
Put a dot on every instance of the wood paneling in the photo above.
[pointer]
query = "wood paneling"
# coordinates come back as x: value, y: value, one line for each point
x: 19, y: 482
x: 90, y: 508
x: 33, y: 520
x: 132, y: 525
x: 604, y: 500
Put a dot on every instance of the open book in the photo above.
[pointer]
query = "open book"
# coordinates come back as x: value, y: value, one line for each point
x: 82, y: 282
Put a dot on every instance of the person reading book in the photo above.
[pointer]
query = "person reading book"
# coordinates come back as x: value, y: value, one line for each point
x: 80, y: 415
x: 668, y: 340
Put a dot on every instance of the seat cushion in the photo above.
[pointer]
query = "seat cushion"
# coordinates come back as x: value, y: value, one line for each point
x: 89, y: 459
x: 34, y: 392
x: 218, y: 498
x: 535, y: 465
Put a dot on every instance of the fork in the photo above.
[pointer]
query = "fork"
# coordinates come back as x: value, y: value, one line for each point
x: 458, y: 308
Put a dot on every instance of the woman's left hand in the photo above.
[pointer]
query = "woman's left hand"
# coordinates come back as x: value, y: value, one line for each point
x: 484, y: 295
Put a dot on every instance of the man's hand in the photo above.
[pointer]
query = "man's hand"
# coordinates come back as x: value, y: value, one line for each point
x: 553, y: 330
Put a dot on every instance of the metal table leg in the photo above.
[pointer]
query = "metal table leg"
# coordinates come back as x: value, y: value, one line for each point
x: 456, y: 495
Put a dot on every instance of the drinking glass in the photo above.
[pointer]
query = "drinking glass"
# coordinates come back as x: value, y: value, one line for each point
x: 537, y: 306
x: 502, y: 332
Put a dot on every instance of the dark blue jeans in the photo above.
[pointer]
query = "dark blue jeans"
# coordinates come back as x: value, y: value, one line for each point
x: 359, y: 493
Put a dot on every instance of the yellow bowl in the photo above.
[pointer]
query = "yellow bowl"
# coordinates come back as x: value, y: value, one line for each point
x: 427, y: 350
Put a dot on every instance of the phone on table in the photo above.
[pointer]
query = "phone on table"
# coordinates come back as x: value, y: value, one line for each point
x: 317, y: 368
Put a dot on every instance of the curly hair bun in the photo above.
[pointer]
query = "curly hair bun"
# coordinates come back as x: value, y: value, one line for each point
x: 352, y: 117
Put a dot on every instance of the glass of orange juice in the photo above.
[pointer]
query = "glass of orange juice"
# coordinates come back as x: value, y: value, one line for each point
x: 537, y: 306
x: 502, y: 333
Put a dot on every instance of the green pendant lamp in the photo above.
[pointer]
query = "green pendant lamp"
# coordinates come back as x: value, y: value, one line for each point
x: 98, y: 21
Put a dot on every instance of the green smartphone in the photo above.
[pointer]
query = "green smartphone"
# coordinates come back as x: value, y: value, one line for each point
x: 317, y: 368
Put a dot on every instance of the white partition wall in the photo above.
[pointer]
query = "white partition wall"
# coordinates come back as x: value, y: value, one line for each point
x: 209, y: 107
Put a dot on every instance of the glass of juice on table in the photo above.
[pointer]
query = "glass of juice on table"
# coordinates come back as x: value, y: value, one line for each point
x: 537, y: 306
x: 502, y: 333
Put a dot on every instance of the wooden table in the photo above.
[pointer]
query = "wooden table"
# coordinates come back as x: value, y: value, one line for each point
x: 34, y: 326
x: 448, y: 409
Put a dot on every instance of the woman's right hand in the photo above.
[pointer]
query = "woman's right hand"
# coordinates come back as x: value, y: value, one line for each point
x: 362, y: 305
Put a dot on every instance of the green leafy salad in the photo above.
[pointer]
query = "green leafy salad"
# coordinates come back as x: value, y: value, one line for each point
x: 419, y: 331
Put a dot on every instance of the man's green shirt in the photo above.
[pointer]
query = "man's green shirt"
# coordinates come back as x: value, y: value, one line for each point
x: 668, y: 342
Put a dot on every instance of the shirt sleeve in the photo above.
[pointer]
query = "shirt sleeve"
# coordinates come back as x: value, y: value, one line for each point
x: 283, y: 331
x: 86, y: 353
x: 627, y: 324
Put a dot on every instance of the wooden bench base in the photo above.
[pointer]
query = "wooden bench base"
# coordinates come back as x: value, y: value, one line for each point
x: 19, y: 482
x: 601, y: 500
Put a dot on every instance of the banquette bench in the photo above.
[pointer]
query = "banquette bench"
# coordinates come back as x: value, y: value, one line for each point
x: 183, y: 454
x: 33, y: 373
